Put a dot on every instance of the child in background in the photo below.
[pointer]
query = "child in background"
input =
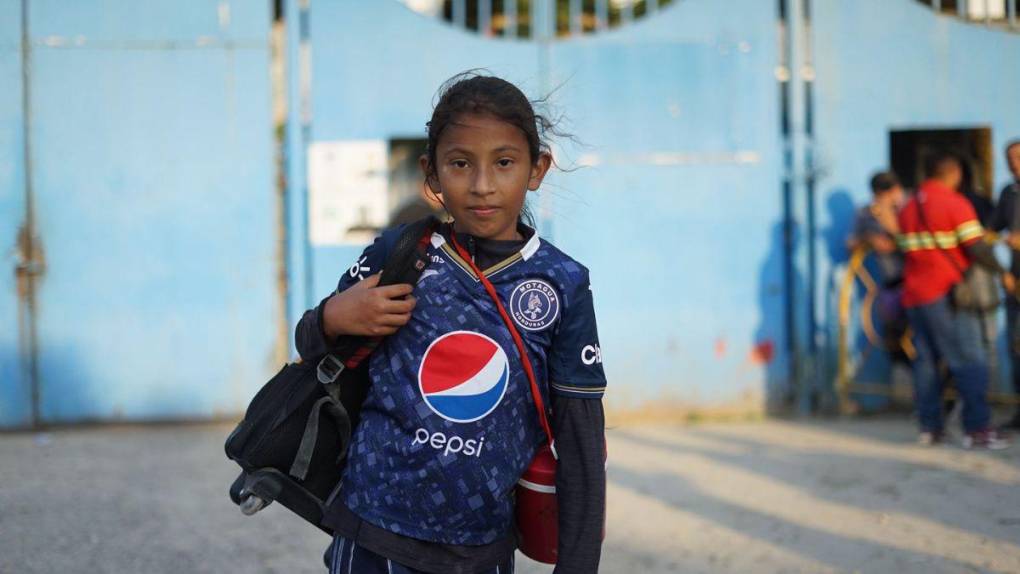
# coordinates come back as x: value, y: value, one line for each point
x: 449, y: 424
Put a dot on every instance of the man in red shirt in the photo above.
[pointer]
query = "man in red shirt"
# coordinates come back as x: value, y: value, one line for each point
x: 941, y: 237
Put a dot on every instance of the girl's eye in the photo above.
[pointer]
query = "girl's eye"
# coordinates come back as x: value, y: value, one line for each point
x: 505, y: 162
x: 459, y: 163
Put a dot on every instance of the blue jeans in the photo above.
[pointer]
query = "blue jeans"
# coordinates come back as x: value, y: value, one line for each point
x: 943, y: 333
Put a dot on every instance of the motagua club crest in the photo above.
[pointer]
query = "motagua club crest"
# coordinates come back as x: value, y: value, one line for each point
x: 534, y: 305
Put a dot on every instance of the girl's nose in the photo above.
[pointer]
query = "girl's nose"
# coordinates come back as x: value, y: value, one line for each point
x: 483, y: 182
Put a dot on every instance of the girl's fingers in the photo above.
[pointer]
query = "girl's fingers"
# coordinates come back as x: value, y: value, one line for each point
x: 394, y: 291
x: 369, y: 282
x: 399, y: 306
x: 394, y: 319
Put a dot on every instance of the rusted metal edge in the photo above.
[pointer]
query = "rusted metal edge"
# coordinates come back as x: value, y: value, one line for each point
x: 32, y: 263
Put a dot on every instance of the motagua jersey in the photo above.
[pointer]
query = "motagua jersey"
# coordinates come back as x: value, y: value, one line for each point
x: 449, y: 424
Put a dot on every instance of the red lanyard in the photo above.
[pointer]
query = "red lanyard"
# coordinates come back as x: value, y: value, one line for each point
x: 518, y: 341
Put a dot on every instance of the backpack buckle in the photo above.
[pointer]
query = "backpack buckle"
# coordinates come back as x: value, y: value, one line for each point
x: 329, y: 369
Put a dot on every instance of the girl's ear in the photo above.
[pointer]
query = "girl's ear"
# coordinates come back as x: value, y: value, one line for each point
x: 431, y: 184
x: 539, y: 169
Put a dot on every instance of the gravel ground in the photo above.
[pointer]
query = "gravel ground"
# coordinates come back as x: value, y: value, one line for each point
x: 842, y: 496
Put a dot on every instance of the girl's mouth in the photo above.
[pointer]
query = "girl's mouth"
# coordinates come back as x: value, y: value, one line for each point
x: 482, y: 211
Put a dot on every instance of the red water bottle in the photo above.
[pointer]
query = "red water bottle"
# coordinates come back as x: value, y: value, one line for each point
x: 537, y: 514
x: 537, y: 508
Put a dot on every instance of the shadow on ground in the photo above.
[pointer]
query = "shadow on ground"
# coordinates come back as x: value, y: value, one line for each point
x: 767, y: 497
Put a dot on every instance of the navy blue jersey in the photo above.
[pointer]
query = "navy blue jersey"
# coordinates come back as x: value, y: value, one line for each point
x: 449, y: 423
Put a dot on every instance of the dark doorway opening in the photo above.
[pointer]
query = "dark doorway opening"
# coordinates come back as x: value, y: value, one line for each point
x: 908, y: 150
x: 409, y: 200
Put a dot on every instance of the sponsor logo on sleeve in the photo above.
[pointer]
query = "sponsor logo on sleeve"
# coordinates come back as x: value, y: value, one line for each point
x: 591, y: 354
x: 359, y: 269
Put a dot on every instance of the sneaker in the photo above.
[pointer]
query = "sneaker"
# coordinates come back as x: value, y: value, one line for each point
x: 986, y: 439
x: 930, y: 438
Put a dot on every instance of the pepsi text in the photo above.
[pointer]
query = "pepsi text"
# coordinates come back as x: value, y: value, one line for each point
x: 449, y: 445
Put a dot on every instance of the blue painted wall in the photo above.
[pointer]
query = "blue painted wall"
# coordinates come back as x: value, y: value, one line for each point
x: 885, y: 66
x: 677, y: 217
x: 15, y: 392
x: 153, y: 178
x: 153, y: 172
x: 675, y: 207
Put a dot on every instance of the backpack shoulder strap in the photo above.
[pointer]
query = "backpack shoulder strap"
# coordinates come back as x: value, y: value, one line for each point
x: 406, y: 259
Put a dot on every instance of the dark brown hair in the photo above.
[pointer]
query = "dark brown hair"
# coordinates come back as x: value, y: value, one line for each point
x: 883, y: 181
x: 473, y: 93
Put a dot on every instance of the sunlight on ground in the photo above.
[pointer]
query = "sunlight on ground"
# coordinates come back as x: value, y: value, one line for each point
x: 797, y: 497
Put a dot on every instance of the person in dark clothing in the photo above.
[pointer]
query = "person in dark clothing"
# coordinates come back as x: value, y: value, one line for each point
x: 875, y: 229
x: 450, y: 422
x: 1007, y: 218
x: 986, y: 281
x: 875, y: 226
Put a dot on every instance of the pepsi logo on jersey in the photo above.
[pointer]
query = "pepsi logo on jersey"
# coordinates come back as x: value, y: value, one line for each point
x: 463, y: 376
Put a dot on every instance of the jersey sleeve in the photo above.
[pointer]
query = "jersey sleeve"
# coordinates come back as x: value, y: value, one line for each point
x: 309, y: 336
x: 368, y: 263
x: 965, y: 221
x: 575, y: 360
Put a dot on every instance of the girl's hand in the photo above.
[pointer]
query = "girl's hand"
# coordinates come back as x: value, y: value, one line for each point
x: 367, y: 309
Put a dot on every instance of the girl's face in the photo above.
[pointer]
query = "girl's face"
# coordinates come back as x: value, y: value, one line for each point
x: 483, y: 171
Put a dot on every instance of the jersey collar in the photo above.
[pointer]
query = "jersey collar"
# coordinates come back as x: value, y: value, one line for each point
x: 527, y: 251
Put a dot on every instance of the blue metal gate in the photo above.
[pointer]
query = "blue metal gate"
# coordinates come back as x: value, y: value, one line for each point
x: 676, y: 205
x: 15, y: 389
x: 146, y: 191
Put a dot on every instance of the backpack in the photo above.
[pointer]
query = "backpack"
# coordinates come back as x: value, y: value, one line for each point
x: 292, y: 442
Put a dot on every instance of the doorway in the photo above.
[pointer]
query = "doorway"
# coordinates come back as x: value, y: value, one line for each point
x: 908, y: 150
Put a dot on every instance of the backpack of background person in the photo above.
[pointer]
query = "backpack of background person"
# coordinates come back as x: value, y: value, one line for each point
x: 292, y: 443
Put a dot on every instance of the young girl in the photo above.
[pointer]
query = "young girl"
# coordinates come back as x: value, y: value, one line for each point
x: 450, y: 424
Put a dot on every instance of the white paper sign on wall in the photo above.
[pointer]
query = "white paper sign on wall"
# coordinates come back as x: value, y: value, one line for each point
x: 347, y: 191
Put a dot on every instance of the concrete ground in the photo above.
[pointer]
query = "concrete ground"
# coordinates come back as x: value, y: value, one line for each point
x: 844, y: 496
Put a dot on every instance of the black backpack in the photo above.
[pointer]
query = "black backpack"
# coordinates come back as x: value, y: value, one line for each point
x: 292, y: 443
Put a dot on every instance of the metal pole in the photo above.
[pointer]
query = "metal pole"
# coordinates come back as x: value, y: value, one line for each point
x: 30, y: 266
x: 459, y: 13
x: 296, y: 135
x: 801, y: 203
x: 485, y: 17
x: 601, y: 14
x: 543, y: 20
x: 627, y: 11
x: 575, y: 13
x: 510, y: 17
